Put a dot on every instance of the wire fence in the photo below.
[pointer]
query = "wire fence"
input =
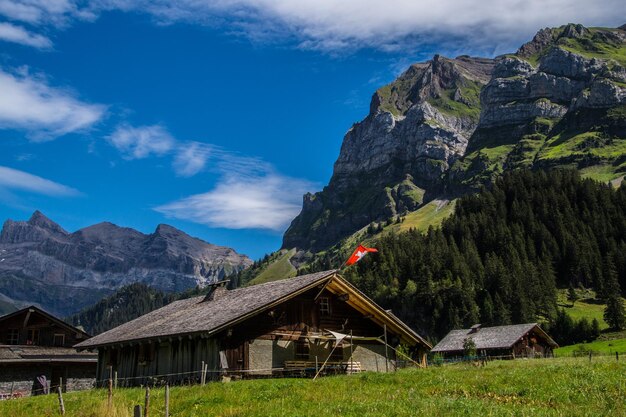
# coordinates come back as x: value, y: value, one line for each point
x: 436, y: 359
x: 201, y: 376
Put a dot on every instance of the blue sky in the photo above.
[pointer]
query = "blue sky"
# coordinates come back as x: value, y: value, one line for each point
x: 214, y: 117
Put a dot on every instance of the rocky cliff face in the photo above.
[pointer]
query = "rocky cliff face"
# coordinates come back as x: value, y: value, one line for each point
x: 418, y: 126
x: 449, y: 125
x: 559, y: 101
x: 40, y: 262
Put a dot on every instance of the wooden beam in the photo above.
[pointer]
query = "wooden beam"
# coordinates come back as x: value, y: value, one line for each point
x: 28, y: 313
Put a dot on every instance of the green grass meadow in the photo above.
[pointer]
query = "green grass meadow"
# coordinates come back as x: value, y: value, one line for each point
x: 599, y: 346
x: 279, y: 269
x: 538, y: 387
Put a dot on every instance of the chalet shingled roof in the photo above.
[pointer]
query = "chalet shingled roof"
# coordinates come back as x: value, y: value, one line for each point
x: 497, y: 337
x: 198, y: 315
x: 39, y: 354
x: 37, y: 310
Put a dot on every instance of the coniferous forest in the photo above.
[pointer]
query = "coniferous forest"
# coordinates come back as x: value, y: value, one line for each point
x: 501, y: 256
x: 499, y: 259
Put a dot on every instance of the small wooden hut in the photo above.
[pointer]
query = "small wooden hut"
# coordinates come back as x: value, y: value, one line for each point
x: 36, y: 354
x: 259, y: 330
x: 514, y: 341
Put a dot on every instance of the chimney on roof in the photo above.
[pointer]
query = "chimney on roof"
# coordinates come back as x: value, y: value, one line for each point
x: 475, y: 328
x: 216, y: 290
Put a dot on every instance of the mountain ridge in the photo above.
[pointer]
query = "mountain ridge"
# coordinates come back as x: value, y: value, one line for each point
x: 41, y: 257
x: 446, y: 127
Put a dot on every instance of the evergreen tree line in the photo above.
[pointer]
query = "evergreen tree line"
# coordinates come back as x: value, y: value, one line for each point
x: 126, y: 304
x: 501, y: 256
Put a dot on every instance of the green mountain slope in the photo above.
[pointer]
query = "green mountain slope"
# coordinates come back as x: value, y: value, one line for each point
x: 502, y: 255
x: 446, y: 127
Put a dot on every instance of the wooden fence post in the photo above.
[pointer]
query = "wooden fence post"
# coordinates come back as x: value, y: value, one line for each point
x: 115, y: 380
x: 146, y: 410
x: 110, y: 394
x: 202, y: 373
x: 167, y: 400
x: 617, y: 356
x: 386, y: 354
x: 61, y: 405
x: 137, y: 411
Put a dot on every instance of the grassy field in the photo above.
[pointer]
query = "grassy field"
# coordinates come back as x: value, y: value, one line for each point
x: 431, y: 214
x: 279, y: 269
x: 587, y: 306
x: 605, y: 347
x: 542, y: 387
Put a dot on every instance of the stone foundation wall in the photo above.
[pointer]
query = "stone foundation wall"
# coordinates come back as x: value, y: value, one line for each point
x: 22, y: 378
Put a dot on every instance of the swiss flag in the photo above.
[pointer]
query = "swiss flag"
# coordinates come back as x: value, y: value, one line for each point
x: 359, y: 253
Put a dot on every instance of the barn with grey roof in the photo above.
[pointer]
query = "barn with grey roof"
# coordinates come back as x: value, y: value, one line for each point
x: 518, y: 340
x: 257, y: 330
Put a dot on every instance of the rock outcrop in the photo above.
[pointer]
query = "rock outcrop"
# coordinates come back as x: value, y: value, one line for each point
x: 543, y: 102
x: 42, y: 263
x: 418, y: 126
x: 446, y: 126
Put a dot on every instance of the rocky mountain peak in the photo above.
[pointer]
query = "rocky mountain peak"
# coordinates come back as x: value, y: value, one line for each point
x: 446, y: 125
x: 40, y: 220
x: 53, y: 266
x: 36, y: 229
x: 417, y: 127
x: 438, y: 79
x: 572, y: 30
x: 167, y: 230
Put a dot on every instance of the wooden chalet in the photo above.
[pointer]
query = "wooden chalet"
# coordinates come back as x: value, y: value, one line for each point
x: 515, y: 341
x: 265, y: 329
x: 36, y: 354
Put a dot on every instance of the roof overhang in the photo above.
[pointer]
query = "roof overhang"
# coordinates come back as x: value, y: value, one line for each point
x: 366, y: 306
x: 49, y: 316
x: 332, y: 282
x: 208, y: 333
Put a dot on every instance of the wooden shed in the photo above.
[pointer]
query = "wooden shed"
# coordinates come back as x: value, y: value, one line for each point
x: 36, y: 354
x: 514, y: 341
x: 260, y: 330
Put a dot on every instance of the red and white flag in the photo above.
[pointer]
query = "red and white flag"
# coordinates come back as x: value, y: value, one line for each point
x: 358, y: 254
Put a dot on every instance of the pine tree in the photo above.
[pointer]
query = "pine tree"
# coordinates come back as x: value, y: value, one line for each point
x: 572, y: 295
x: 614, y: 313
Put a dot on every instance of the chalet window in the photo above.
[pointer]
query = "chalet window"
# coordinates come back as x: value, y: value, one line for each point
x: 13, y: 336
x: 302, y: 350
x: 59, y: 339
x: 33, y: 337
x: 324, y: 306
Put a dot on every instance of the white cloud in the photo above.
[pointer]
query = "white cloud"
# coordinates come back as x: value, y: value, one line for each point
x: 50, y: 12
x: 19, y: 180
x: 141, y: 142
x: 191, y: 158
x: 249, y: 193
x: 336, y: 25
x: 388, y: 25
x: 27, y: 102
x: 269, y: 201
x: 17, y: 34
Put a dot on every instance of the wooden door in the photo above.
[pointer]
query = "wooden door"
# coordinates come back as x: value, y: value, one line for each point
x: 237, y: 357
